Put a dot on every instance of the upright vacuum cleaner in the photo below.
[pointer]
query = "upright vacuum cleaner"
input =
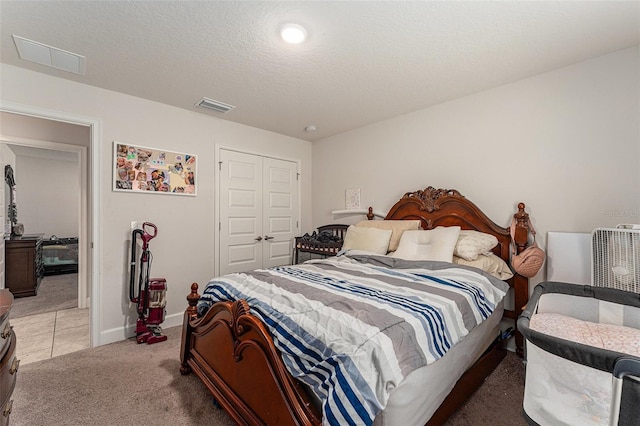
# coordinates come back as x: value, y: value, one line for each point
x: 149, y: 294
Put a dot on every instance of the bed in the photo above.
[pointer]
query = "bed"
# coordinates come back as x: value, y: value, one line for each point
x: 244, y: 354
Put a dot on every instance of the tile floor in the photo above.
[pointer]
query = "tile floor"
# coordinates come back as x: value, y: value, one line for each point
x: 51, y: 334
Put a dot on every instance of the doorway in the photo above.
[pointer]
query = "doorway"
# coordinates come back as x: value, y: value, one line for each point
x: 55, y: 320
x: 88, y: 255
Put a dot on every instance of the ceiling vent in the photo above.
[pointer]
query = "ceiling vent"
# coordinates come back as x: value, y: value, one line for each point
x: 53, y: 57
x: 215, y: 105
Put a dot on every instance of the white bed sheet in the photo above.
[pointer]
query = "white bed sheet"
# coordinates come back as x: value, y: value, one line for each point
x: 420, y: 394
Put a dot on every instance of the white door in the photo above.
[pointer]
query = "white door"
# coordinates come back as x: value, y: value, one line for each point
x: 258, y: 211
x: 279, y: 209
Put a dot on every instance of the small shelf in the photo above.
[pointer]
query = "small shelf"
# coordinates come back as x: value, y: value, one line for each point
x: 357, y: 211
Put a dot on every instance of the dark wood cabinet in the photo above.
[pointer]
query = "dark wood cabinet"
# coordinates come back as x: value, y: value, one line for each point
x: 8, y: 361
x: 24, y: 267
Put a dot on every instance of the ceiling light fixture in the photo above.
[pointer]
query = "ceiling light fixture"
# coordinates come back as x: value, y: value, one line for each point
x: 293, y: 33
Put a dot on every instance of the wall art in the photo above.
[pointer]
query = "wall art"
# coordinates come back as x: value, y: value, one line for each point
x: 352, y: 198
x: 142, y: 169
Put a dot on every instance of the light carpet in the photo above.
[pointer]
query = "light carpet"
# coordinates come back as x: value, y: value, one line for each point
x: 56, y: 293
x: 129, y: 384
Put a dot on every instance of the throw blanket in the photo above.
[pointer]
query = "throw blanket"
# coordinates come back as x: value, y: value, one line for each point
x: 352, y: 327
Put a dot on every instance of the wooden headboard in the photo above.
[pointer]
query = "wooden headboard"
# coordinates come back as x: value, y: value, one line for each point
x: 447, y: 207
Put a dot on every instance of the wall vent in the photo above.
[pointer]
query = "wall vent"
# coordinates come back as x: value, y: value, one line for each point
x: 214, y: 105
x: 49, y: 56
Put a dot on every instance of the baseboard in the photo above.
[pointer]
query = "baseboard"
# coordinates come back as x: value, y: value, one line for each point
x: 118, y: 334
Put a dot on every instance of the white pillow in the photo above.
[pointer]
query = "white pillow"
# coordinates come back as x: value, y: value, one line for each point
x: 471, y: 244
x: 367, y: 239
x: 489, y: 263
x: 397, y: 227
x: 434, y: 244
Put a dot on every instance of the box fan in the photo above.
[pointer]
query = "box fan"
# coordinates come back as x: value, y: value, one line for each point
x: 615, y: 257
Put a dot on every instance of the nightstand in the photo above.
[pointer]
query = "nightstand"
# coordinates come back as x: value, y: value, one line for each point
x: 8, y: 361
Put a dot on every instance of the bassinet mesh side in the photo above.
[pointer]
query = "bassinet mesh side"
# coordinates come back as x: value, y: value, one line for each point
x: 562, y: 392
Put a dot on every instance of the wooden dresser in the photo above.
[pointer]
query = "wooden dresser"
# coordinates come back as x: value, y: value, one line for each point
x: 8, y: 361
x: 24, y: 267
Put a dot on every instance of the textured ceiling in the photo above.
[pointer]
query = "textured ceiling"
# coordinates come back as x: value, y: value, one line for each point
x: 364, y: 61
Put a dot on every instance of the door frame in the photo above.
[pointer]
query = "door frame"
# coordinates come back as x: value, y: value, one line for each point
x: 216, y: 198
x: 89, y: 204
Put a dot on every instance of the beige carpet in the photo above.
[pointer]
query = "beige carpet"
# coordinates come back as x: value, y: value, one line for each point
x: 129, y: 384
x: 56, y: 293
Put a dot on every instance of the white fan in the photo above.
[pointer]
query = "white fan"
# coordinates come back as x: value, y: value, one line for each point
x: 615, y: 257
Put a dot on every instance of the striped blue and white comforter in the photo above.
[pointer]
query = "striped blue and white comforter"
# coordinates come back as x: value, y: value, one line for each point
x: 353, y: 326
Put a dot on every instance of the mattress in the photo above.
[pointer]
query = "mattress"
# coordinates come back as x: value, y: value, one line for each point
x: 356, y: 329
x: 417, y: 397
x: 420, y: 394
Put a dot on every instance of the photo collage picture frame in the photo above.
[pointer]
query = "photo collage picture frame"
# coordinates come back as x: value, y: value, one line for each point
x: 143, y: 169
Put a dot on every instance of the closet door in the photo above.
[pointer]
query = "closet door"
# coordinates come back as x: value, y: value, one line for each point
x: 280, y: 207
x: 240, y: 228
x: 258, y: 211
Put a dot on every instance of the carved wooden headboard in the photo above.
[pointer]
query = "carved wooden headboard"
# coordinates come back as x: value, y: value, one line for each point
x: 447, y: 207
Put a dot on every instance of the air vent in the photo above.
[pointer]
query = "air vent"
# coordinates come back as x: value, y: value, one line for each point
x: 49, y: 56
x: 215, y: 105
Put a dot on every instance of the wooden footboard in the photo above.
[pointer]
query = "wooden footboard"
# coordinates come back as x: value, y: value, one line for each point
x: 231, y: 351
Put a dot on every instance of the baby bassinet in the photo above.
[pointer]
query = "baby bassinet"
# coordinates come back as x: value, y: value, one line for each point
x: 582, y: 354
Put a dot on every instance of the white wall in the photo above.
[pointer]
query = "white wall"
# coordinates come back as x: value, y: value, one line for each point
x: 48, y: 195
x: 183, y: 251
x: 566, y: 143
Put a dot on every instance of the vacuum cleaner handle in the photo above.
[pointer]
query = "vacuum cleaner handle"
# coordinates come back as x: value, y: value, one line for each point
x: 148, y: 236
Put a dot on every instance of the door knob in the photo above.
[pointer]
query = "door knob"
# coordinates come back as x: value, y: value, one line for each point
x: 268, y: 237
x: 259, y: 238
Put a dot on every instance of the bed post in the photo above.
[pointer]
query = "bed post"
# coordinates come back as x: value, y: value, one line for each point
x: 190, y: 313
x: 520, y: 283
x: 522, y: 228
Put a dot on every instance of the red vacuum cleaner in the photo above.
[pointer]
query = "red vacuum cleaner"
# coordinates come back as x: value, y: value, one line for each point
x: 150, y: 297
